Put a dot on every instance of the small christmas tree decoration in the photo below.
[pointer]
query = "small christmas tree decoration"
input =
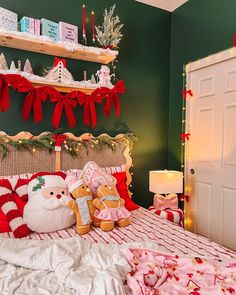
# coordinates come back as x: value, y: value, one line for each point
x: 93, y: 80
x: 28, y: 67
x: 13, y: 67
x: 109, y: 34
x: 59, y: 72
x: 3, y: 62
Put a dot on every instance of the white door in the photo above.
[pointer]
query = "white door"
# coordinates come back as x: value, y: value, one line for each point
x: 211, y: 150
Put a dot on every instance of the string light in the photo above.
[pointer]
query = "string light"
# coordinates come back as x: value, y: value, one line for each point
x: 34, y: 150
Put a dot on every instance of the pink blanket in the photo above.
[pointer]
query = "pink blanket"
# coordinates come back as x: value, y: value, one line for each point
x: 156, y: 273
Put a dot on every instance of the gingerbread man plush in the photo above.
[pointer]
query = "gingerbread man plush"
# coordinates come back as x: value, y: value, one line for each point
x: 82, y: 206
x: 110, y: 208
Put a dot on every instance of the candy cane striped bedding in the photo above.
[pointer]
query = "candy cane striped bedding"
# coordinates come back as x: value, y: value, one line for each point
x: 146, y: 225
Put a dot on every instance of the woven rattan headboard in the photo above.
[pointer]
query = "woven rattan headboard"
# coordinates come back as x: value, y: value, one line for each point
x: 22, y: 161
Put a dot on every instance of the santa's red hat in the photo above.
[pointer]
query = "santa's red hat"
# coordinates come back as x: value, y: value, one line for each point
x: 44, y: 180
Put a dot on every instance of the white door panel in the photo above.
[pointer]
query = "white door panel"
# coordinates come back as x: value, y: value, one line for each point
x: 211, y: 151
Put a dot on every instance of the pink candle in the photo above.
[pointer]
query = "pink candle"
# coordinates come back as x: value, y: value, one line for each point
x: 84, y: 20
x: 93, y: 28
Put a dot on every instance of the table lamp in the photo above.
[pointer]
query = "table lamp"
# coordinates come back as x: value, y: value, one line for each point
x: 165, y: 182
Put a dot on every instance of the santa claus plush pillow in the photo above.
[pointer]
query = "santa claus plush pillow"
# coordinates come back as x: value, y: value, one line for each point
x: 46, y: 209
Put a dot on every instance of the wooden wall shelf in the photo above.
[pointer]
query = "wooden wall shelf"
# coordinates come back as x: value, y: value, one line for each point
x: 61, y: 87
x: 25, y: 43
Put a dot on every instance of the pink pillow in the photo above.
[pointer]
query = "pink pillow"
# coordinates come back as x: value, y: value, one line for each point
x: 94, y: 176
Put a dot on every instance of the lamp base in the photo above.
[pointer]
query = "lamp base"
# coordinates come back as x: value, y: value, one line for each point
x: 169, y: 201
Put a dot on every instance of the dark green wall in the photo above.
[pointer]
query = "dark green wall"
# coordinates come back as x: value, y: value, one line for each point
x: 199, y: 28
x: 143, y: 64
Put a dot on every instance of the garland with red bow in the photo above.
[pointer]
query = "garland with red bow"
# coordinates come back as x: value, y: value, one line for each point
x: 67, y: 102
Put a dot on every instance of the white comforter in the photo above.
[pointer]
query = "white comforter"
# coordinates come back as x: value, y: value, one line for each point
x: 63, y: 267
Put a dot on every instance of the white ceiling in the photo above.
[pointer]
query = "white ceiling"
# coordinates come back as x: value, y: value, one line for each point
x: 169, y: 5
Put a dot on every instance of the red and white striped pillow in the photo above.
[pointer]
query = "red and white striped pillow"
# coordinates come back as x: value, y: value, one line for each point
x: 8, y: 205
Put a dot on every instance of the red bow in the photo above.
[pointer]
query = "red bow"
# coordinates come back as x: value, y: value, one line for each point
x: 234, y: 40
x: 34, y: 100
x: 185, y: 135
x: 18, y: 82
x: 67, y: 102
x: 186, y: 92
x: 184, y: 197
x: 57, y: 60
x: 89, y: 107
x: 59, y: 138
x: 109, y: 46
x: 4, y: 94
x: 112, y: 96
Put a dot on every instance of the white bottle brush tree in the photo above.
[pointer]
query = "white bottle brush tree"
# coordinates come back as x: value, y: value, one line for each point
x: 3, y: 62
x: 28, y: 67
x: 109, y: 34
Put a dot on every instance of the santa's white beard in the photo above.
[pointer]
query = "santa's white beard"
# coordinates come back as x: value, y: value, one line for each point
x: 43, y: 215
x: 55, y: 203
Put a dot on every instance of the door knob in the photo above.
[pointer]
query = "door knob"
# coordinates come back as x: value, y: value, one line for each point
x: 192, y: 171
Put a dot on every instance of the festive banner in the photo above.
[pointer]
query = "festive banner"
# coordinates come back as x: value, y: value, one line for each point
x: 35, y: 97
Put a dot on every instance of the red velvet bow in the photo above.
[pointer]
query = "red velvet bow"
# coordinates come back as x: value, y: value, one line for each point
x: 67, y: 102
x: 183, y: 198
x: 185, y: 136
x: 59, y: 138
x: 34, y: 100
x: 186, y: 92
x: 4, y: 94
x: 57, y: 60
x: 112, y: 96
x: 19, y: 83
x: 89, y: 107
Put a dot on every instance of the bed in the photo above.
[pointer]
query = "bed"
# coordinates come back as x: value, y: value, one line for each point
x: 64, y: 262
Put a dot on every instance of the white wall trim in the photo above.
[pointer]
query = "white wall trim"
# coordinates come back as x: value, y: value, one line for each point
x: 211, y: 59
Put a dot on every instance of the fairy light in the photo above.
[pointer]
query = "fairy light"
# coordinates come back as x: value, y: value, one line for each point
x: 51, y: 142
x: 34, y: 150
x: 19, y: 141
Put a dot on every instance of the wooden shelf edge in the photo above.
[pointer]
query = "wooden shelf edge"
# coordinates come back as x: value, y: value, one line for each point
x: 33, y: 45
x: 61, y: 87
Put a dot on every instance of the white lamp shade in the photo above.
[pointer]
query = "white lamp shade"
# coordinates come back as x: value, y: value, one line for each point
x: 165, y: 182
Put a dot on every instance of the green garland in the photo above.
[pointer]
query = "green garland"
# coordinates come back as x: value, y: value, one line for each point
x: 71, y: 146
